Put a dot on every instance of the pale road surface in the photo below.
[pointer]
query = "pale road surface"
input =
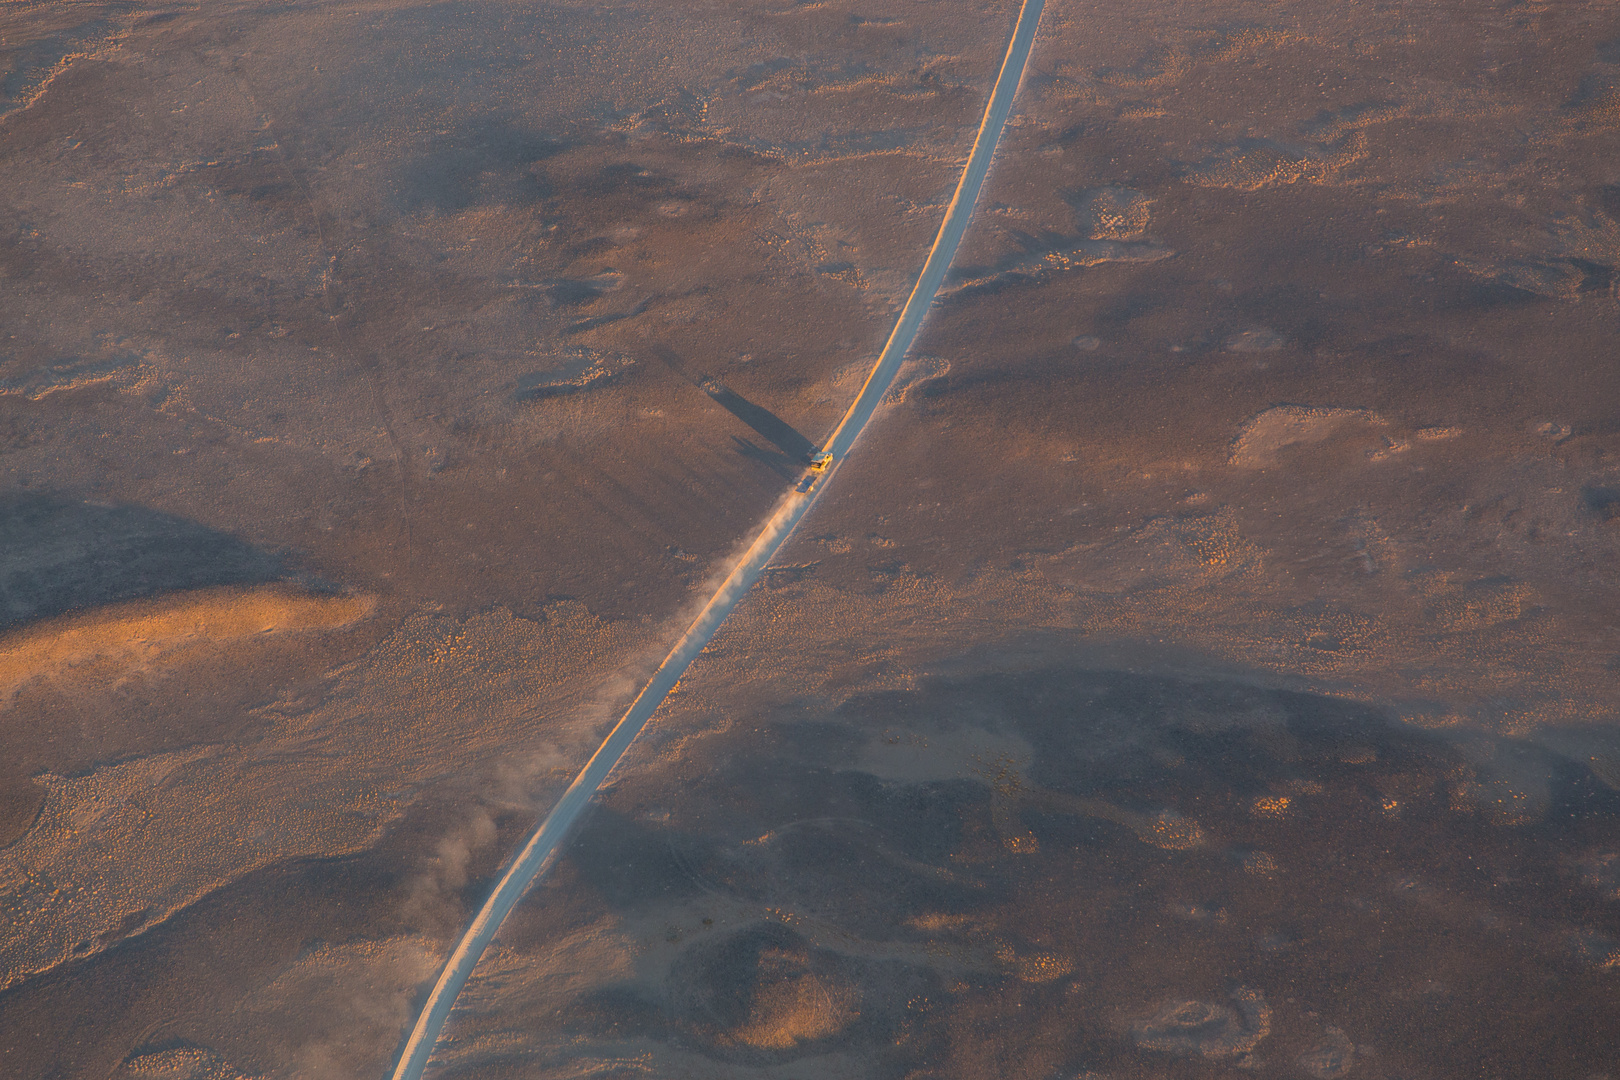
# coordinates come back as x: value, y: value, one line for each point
x: 544, y: 843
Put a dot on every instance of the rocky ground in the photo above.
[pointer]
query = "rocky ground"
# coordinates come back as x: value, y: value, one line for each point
x: 1204, y: 666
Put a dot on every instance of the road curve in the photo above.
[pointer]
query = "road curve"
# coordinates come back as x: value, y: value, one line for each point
x: 544, y: 843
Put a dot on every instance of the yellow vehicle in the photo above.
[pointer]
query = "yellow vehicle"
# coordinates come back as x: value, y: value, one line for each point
x: 820, y: 460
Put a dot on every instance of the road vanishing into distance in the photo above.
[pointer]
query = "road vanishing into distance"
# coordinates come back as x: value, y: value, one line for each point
x: 544, y: 843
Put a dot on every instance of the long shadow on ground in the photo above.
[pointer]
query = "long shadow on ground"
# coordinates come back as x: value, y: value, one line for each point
x: 59, y: 554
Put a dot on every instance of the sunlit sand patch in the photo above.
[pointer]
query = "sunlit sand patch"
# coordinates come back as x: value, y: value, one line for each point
x: 1596, y: 950
x: 1034, y: 967
x: 1464, y: 606
x: 1114, y: 213
x: 1328, y: 151
x: 118, y: 851
x: 1215, y: 540
x: 764, y: 989
x: 179, y: 1063
x: 1267, y: 165
x: 1096, y: 252
x: 1260, y: 864
x: 143, y: 633
x: 1436, y: 434
x: 935, y: 922
x: 1272, y: 806
x: 1258, y: 444
x: 125, y: 373
x: 794, y: 1006
x: 55, y: 53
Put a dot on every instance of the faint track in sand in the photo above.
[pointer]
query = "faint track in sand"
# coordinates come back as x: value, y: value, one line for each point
x: 544, y: 843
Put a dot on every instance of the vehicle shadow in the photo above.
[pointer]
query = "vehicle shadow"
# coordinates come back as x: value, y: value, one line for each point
x: 766, y: 424
x: 781, y: 464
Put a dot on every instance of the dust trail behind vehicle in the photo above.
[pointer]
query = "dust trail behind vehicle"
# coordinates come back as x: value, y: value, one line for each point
x: 544, y: 843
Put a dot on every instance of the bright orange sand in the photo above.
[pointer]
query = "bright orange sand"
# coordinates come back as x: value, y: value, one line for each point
x: 144, y: 632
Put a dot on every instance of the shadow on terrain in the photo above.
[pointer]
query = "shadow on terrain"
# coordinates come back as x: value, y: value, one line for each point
x: 492, y: 161
x: 1068, y: 849
x: 770, y: 427
x: 59, y: 554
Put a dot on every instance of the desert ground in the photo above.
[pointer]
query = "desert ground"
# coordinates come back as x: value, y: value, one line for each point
x: 1204, y: 665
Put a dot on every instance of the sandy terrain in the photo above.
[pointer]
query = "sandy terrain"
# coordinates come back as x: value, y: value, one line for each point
x: 1203, y: 665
